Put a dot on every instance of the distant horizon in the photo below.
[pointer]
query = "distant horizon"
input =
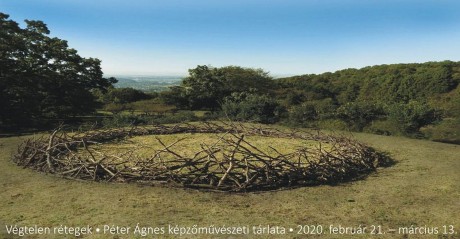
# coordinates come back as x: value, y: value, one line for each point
x: 271, y: 74
x: 146, y: 75
x: 284, y: 37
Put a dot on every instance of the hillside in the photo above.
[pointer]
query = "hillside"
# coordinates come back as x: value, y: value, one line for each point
x: 391, y: 83
x: 417, y: 100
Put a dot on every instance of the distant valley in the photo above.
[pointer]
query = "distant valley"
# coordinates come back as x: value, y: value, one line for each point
x: 148, y: 83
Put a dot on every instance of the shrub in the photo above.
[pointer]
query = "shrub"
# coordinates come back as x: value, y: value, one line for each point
x: 252, y: 107
x: 382, y: 127
x: 360, y: 114
x: 124, y: 96
x: 308, y: 112
x: 447, y: 131
x: 409, y: 118
x: 121, y: 120
x: 303, y: 115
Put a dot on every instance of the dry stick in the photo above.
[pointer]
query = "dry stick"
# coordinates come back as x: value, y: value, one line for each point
x: 166, y: 148
x: 276, y: 151
x: 258, y: 150
x: 186, y: 162
x: 246, y: 170
x: 234, y: 180
x: 70, y: 171
x: 48, y: 149
x: 22, y: 150
x: 232, y: 159
x: 246, y: 151
x: 78, y: 172
x: 343, y: 154
x: 211, y: 160
x: 215, y: 161
x: 95, y: 162
x: 30, y: 159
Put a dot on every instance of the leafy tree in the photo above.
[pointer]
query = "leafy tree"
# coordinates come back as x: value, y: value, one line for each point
x: 252, y: 107
x: 449, y: 103
x: 410, y: 117
x: 349, y: 93
x: 383, y: 98
x: 303, y: 114
x: 175, y: 96
x: 41, y: 77
x: 384, y: 83
x: 360, y: 114
x: 294, y: 98
x: 207, y: 86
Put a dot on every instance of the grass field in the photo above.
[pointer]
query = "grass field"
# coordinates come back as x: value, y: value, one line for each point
x: 421, y: 189
x: 188, y: 144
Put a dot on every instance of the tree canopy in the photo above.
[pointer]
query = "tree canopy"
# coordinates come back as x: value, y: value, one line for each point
x: 207, y: 86
x: 41, y: 77
x: 390, y: 99
x: 388, y: 83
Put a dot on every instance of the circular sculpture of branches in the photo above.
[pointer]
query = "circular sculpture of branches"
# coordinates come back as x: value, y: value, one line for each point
x: 232, y: 163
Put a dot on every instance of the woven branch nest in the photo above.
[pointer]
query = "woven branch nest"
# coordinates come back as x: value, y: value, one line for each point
x: 232, y: 163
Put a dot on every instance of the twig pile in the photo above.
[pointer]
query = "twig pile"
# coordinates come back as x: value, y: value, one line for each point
x: 232, y: 163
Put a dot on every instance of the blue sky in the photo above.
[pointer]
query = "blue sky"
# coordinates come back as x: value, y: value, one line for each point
x: 284, y: 37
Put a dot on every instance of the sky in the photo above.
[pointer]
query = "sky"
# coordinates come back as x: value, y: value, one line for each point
x: 283, y: 37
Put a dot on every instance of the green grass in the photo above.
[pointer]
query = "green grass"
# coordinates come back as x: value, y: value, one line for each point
x: 421, y: 189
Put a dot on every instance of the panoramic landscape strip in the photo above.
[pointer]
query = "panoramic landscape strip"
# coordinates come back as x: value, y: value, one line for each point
x: 229, y: 119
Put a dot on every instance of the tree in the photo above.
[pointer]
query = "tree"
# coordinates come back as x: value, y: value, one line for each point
x: 41, y: 77
x: 207, y: 86
x: 175, y: 96
x: 410, y: 117
x: 359, y: 114
x: 303, y: 114
x: 252, y: 107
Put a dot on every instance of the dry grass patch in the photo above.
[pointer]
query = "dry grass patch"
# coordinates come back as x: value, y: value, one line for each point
x: 145, y: 146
